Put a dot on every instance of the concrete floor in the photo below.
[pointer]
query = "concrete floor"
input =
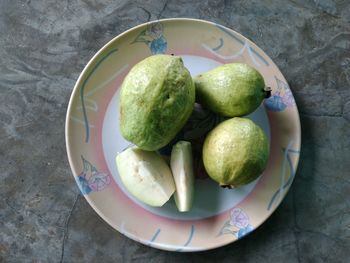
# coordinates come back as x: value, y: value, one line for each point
x: 44, y: 45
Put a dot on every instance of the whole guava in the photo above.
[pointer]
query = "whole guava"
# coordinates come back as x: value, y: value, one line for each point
x: 231, y: 90
x: 235, y: 152
x: 157, y: 98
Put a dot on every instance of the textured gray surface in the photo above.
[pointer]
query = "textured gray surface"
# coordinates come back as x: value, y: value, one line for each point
x: 45, y: 44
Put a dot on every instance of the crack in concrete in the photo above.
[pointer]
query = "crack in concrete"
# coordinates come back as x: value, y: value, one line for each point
x: 149, y: 15
x: 296, y: 227
x: 65, y: 233
x: 24, y: 212
x: 327, y: 47
x: 321, y: 115
x: 163, y: 9
x: 312, y: 115
x: 326, y: 236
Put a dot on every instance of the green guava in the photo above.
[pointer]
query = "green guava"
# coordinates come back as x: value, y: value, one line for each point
x: 157, y: 98
x: 235, y: 152
x: 231, y: 90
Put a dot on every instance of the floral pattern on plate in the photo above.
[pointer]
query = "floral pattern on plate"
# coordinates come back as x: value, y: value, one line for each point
x: 238, y: 224
x: 281, y: 98
x: 90, y: 179
x: 153, y: 37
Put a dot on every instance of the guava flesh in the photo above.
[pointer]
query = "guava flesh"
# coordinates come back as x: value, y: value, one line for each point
x: 146, y: 176
x: 181, y: 164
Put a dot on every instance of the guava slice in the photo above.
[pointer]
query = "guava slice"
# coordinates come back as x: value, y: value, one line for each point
x: 146, y: 176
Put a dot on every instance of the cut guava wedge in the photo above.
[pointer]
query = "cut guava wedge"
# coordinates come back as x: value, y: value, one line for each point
x: 181, y: 163
x: 146, y: 176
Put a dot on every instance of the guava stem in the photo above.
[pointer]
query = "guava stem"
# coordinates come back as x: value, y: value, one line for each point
x: 267, y: 91
x: 227, y: 186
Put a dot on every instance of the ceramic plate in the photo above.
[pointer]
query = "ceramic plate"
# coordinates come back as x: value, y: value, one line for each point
x: 219, y: 216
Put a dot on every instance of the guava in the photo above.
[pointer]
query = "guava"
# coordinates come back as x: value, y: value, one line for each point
x: 235, y: 152
x: 157, y: 97
x: 181, y: 164
x: 231, y: 90
x: 146, y: 176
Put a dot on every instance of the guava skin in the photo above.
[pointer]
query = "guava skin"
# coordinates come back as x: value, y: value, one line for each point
x: 157, y: 98
x: 231, y: 90
x: 235, y: 152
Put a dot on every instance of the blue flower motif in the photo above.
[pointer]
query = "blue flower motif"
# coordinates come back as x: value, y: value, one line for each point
x: 158, y: 46
x: 153, y: 37
x: 83, y: 184
x: 281, y: 98
x: 244, y: 231
x: 238, y: 220
x: 275, y: 103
